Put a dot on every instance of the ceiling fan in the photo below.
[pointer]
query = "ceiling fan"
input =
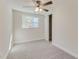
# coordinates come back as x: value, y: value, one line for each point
x: 40, y: 5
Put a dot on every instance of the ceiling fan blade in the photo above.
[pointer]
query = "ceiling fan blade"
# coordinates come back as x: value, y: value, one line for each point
x: 38, y: 3
x: 48, y: 3
x: 46, y: 10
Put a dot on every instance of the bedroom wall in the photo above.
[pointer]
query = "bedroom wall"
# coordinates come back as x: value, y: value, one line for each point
x: 28, y: 34
x: 5, y: 27
x: 65, y: 26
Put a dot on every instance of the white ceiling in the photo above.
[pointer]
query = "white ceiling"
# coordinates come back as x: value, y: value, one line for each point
x: 28, y: 2
x: 22, y: 3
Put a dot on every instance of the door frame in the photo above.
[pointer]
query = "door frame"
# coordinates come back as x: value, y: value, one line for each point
x: 50, y: 27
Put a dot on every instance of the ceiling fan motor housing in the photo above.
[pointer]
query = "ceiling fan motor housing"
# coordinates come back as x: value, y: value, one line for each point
x: 38, y: 3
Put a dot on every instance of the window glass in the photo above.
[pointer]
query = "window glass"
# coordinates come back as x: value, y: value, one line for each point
x: 29, y: 22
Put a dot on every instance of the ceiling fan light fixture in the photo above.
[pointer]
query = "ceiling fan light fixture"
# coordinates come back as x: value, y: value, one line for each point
x: 41, y: 9
x: 37, y: 9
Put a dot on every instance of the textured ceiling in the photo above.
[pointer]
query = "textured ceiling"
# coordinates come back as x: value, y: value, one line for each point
x: 28, y: 3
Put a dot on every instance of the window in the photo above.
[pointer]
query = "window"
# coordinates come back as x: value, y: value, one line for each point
x: 35, y: 22
x: 30, y: 22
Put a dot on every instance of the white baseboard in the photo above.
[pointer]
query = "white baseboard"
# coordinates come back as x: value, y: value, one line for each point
x: 16, y: 42
x: 60, y: 47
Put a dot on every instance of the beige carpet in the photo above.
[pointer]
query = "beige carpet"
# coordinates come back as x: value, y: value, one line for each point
x: 40, y: 49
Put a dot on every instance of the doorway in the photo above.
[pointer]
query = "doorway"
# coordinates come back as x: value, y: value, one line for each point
x: 50, y: 27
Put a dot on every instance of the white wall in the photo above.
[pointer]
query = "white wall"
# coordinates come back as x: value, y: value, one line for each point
x: 5, y: 27
x: 24, y: 35
x: 65, y: 25
x: 46, y: 21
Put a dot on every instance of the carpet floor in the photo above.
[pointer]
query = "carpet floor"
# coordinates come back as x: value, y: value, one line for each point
x: 40, y: 49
